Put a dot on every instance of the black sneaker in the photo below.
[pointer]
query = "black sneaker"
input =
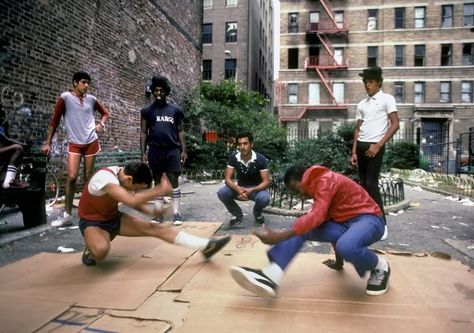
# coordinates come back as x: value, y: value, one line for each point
x: 259, y: 220
x: 214, y: 246
x: 254, y: 281
x: 158, y: 220
x: 378, y: 282
x: 87, y: 258
x: 235, y: 220
x: 177, y: 219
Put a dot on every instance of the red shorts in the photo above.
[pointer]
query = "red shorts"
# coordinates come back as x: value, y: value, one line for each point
x: 90, y: 149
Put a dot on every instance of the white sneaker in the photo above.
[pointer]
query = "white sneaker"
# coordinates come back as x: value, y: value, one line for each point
x: 385, y: 234
x: 64, y: 221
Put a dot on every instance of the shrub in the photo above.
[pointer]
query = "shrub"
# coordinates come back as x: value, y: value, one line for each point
x: 328, y: 150
x: 402, y: 155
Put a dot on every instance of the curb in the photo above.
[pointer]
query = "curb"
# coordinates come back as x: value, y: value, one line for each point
x: 18, y: 235
x: 432, y: 189
x: 297, y: 213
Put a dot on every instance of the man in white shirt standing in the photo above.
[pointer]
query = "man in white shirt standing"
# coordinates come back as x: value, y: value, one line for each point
x: 377, y: 122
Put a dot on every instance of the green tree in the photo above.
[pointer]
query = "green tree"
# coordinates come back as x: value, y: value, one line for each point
x: 229, y: 109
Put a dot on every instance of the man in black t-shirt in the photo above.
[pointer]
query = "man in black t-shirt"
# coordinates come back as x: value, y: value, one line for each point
x: 253, y: 180
x: 162, y: 131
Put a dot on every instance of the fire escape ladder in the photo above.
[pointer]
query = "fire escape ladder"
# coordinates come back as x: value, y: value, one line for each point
x: 325, y: 80
x: 328, y: 8
x: 327, y: 45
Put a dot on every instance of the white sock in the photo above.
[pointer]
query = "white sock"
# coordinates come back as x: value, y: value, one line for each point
x: 273, y: 272
x: 66, y: 214
x: 191, y: 241
x: 11, y: 174
x: 382, y: 264
x: 176, y: 199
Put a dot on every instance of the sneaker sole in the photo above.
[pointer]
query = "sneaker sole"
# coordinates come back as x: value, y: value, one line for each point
x: 62, y: 224
x: 177, y: 223
x: 224, y: 245
x: 376, y: 292
x: 240, y: 276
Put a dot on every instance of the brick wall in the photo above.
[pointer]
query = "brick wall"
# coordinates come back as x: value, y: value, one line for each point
x: 120, y: 43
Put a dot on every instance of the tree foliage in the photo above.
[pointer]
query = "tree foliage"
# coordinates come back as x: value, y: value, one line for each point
x: 229, y: 109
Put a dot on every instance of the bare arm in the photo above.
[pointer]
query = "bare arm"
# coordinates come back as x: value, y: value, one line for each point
x: 136, y: 200
x: 182, y: 141
x: 229, y: 172
x: 57, y: 114
x: 143, y: 137
x: 265, y: 174
x: 354, y: 145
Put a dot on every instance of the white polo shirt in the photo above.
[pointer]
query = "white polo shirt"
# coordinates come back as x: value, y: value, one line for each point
x: 373, y: 111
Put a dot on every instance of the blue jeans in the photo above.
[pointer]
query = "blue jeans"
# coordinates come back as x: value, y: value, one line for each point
x: 351, y: 238
x: 228, y: 197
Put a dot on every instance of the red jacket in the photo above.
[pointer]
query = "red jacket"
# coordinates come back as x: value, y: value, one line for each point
x: 336, y: 198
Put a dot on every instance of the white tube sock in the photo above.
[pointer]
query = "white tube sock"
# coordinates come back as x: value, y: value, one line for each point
x: 382, y: 264
x: 11, y: 174
x: 159, y: 202
x: 191, y: 241
x: 176, y: 200
x: 273, y: 272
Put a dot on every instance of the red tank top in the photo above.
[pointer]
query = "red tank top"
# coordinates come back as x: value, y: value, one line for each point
x: 97, y: 208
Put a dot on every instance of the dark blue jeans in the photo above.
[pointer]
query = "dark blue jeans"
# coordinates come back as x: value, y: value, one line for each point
x: 228, y: 197
x: 352, y: 239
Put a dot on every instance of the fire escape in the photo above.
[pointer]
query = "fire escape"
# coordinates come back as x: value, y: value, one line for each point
x: 330, y: 60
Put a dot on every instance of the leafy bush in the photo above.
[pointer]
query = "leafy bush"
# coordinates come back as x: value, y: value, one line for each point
x: 402, y: 155
x: 229, y: 109
x: 346, y: 132
x: 329, y: 150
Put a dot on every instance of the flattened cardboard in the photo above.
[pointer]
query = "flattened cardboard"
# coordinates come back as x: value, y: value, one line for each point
x: 72, y: 320
x: 135, y: 268
x: 426, y: 295
x: 108, y: 324
x: 15, y: 314
x: 159, y: 306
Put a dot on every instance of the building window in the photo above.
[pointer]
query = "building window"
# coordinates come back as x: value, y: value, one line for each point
x: 372, y: 55
x: 445, y: 92
x: 230, y: 68
x: 399, y: 92
x: 208, y: 4
x: 420, y: 55
x: 468, y: 54
x: 372, y: 15
x: 231, y: 3
x: 207, y: 33
x: 447, y: 16
x: 469, y: 14
x: 399, y: 55
x: 231, y: 32
x: 446, y: 54
x: 314, y: 20
x: 339, y: 18
x: 420, y: 13
x: 419, y: 92
x: 399, y: 18
x: 292, y: 93
x: 293, y: 58
x: 207, y: 70
x: 338, y: 91
x: 466, y: 91
x: 293, y: 22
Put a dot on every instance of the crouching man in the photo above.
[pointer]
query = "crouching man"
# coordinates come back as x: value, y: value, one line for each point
x: 100, y: 220
x: 343, y: 213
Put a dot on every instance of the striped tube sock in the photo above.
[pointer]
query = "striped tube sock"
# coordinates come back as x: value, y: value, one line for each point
x: 176, y: 199
x: 11, y: 174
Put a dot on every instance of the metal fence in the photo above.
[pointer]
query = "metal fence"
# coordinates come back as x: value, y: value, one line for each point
x: 392, y: 191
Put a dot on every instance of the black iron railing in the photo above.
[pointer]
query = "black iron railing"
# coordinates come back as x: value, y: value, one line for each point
x: 392, y: 191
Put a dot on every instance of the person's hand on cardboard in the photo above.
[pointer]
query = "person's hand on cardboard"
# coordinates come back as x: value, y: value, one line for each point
x: 271, y: 237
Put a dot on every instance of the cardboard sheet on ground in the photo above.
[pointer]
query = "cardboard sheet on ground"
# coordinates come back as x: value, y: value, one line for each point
x: 426, y: 295
x: 131, y: 273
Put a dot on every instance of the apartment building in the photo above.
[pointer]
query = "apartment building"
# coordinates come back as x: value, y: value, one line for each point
x: 425, y: 48
x: 237, y: 39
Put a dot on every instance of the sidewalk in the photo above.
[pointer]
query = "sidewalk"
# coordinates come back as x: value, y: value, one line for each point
x: 436, y: 225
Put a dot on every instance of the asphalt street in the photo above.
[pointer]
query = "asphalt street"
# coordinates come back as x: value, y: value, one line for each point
x: 432, y: 224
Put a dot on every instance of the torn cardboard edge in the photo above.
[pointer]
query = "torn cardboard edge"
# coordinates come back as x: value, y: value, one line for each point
x: 435, y: 254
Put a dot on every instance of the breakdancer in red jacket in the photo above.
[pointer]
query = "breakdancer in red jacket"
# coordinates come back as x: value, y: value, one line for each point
x: 343, y: 213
